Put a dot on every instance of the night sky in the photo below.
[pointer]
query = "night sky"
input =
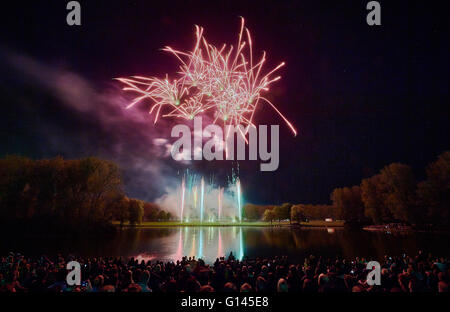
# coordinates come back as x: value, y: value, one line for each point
x: 361, y: 97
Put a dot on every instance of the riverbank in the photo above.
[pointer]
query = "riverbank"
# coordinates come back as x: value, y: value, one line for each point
x: 157, y: 224
x: 402, y: 228
x: 388, y: 228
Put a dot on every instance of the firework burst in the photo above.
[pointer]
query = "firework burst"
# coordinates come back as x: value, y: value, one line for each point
x: 225, y: 82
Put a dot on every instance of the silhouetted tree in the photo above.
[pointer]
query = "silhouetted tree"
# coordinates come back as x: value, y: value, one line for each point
x: 120, y: 210
x: 347, y: 203
x: 399, y: 190
x: 297, y: 213
x: 269, y: 215
x: 162, y: 216
x: 390, y: 195
x: 373, y: 199
x: 136, y: 211
x: 74, y: 192
x: 253, y: 212
x: 151, y: 211
x: 434, y: 193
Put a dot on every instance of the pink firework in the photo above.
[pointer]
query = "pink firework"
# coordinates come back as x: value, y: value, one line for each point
x: 225, y: 82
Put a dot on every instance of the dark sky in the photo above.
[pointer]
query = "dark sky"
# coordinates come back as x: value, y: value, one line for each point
x: 360, y: 96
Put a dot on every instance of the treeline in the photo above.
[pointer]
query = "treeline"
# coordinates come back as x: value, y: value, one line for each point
x: 392, y: 195
x: 66, y: 195
x: 269, y: 213
x: 288, y: 211
x: 85, y: 194
x: 136, y: 211
x: 300, y: 213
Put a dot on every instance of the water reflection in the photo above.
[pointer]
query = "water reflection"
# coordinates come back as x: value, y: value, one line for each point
x: 207, y: 243
x: 210, y: 243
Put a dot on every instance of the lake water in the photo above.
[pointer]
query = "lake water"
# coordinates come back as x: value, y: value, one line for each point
x: 212, y: 242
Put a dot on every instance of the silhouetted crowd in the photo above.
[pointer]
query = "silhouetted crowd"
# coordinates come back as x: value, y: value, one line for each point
x: 422, y: 273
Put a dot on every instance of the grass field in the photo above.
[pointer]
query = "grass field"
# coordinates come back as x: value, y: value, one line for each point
x: 312, y: 223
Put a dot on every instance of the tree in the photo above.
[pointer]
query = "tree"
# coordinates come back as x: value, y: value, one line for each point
x: 278, y: 214
x: 282, y: 212
x: 72, y: 191
x: 390, y: 195
x: 347, y: 203
x: 297, y: 213
x: 372, y: 197
x: 434, y: 193
x: 120, y: 210
x: 357, y: 205
x: 314, y: 212
x: 16, y: 196
x: 151, y: 211
x: 135, y: 211
x: 286, y: 211
x: 253, y: 212
x: 399, y: 187
x: 161, y: 215
x: 269, y: 215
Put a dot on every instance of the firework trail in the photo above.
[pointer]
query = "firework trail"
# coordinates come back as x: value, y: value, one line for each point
x: 202, y: 199
x: 220, y: 202
x: 238, y: 195
x: 183, y: 190
x: 225, y: 82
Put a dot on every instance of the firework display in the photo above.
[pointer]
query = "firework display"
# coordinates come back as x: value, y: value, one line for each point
x: 225, y: 82
x: 212, y: 200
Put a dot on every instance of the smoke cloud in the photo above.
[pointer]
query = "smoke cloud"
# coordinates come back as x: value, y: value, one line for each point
x: 93, y: 121
x: 96, y: 123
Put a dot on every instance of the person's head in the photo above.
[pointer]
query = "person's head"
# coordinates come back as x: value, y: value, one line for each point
x: 137, y: 274
x: 442, y: 286
x: 134, y: 288
x: 307, y: 285
x: 108, y: 288
x: 357, y: 288
x: 129, y: 277
x: 192, y: 285
x: 171, y: 286
x: 145, y: 276
x: 229, y: 287
x: 413, y: 285
x: 323, y: 279
x: 282, y: 285
x: 206, y: 288
x: 264, y: 269
x: 261, y: 284
x: 292, y: 270
x: 246, y: 287
x: 98, y: 281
